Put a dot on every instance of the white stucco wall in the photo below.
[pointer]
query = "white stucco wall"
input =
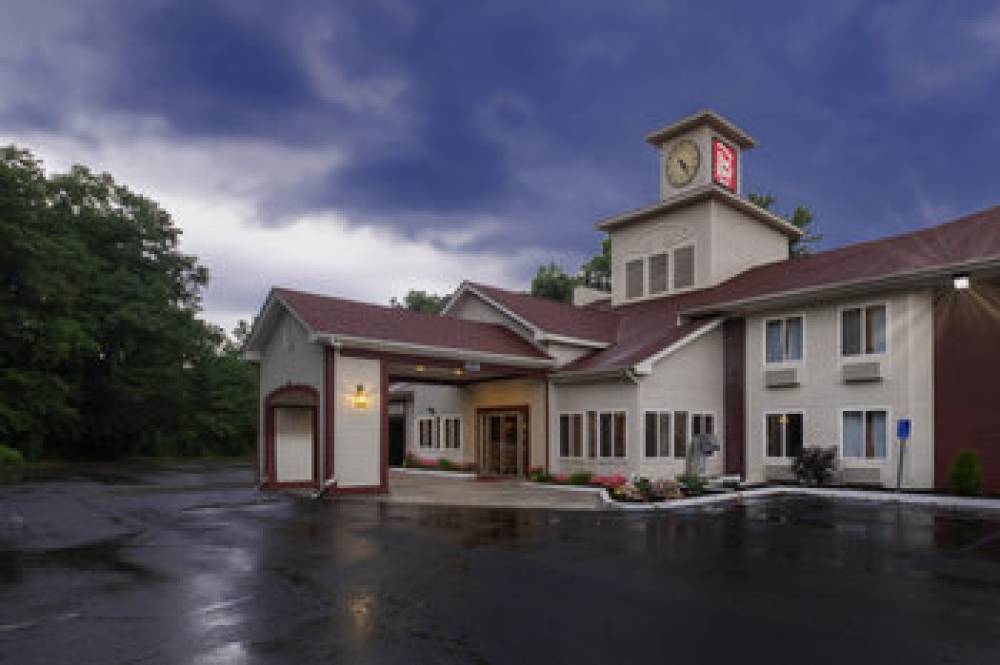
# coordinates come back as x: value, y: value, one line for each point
x: 289, y: 357
x: 906, y: 391
x: 445, y: 401
x: 690, y: 380
x: 357, y: 432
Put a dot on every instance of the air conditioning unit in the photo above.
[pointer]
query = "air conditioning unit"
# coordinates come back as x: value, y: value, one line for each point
x: 786, y: 377
x: 861, y: 372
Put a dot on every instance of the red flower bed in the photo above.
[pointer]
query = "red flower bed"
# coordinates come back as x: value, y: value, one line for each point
x: 608, y: 482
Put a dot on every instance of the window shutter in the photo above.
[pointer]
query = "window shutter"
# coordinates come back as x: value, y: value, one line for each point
x: 683, y: 267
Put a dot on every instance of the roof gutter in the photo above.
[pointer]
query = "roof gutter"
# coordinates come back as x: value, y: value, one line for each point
x: 924, y: 277
x: 389, y: 346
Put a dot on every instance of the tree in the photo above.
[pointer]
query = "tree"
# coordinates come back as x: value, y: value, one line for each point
x: 102, y: 352
x: 596, y: 271
x: 801, y: 217
x: 421, y: 301
x: 551, y: 281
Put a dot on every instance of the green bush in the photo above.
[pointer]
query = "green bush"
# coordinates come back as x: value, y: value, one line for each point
x: 814, y: 465
x: 581, y: 478
x: 966, y: 476
x: 691, y: 483
x: 538, y: 475
x: 445, y: 464
x: 10, y: 456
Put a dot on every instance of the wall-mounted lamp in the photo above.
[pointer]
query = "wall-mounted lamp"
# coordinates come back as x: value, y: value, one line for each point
x: 961, y: 281
x: 359, y: 399
x: 458, y: 371
x: 420, y: 368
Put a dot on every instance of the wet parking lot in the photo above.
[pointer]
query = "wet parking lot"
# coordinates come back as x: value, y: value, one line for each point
x: 190, y: 565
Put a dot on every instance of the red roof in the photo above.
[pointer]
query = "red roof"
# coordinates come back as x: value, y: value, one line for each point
x: 555, y: 317
x: 338, y: 316
x: 966, y: 240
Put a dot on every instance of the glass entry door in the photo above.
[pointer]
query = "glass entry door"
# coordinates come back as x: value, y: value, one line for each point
x: 503, y: 444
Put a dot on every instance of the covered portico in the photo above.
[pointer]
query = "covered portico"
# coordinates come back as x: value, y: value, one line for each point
x: 326, y: 366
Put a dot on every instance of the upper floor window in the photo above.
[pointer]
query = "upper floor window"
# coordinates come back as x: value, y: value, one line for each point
x: 783, y: 340
x: 862, y: 330
x: 658, y: 272
x: 633, y: 279
x: 684, y: 267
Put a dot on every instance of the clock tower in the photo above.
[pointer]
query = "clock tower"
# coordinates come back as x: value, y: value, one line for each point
x: 699, y: 151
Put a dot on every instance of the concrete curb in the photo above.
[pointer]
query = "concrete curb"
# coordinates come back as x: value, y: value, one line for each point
x: 952, y: 502
x: 564, y: 488
x: 436, y: 472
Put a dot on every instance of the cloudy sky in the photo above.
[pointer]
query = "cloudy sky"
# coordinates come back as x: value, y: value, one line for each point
x: 364, y: 148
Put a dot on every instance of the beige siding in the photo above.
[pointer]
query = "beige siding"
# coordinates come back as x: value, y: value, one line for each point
x: 566, y: 353
x: 619, y: 395
x: 471, y: 308
x: 906, y: 391
x: 530, y: 393
x: 289, y: 357
x: 689, y: 380
x: 357, y: 432
x: 444, y: 401
x: 740, y: 242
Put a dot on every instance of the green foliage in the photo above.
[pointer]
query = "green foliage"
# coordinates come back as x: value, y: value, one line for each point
x: 446, y: 464
x: 101, y: 350
x: 581, y: 478
x: 966, y: 474
x: 596, y: 271
x: 691, y: 483
x: 551, y: 281
x: 815, y: 465
x: 801, y: 217
x: 10, y: 456
x: 538, y: 475
x: 421, y: 301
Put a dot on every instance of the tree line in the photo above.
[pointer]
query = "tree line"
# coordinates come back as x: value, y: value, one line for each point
x: 552, y: 281
x: 102, y: 353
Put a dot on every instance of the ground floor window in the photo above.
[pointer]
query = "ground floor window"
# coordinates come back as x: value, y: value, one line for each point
x: 664, y: 428
x: 425, y: 428
x: 452, y: 426
x: 611, y: 433
x: 865, y: 433
x: 571, y: 435
x: 783, y: 432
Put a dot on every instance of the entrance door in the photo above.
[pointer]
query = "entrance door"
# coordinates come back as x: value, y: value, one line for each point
x: 503, y: 444
x: 397, y: 439
x: 293, y: 444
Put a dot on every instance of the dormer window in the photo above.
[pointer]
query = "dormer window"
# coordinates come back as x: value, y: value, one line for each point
x: 684, y: 267
x: 658, y: 273
x: 633, y: 279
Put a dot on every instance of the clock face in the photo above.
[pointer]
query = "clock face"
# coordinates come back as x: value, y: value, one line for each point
x: 682, y: 164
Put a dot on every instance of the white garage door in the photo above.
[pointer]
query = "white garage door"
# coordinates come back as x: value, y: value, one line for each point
x: 293, y: 444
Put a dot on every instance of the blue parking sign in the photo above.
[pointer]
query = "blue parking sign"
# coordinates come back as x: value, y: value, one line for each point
x: 903, y: 429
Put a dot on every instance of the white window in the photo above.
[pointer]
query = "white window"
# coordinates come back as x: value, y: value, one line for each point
x: 658, y: 273
x: 664, y: 428
x: 783, y: 339
x: 864, y: 433
x: 683, y: 267
x: 633, y: 279
x: 426, y: 431
x: 658, y: 434
x: 863, y: 330
x: 783, y: 434
x: 611, y: 430
x: 571, y: 435
x: 452, y: 428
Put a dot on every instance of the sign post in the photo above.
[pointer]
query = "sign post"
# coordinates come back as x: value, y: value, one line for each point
x: 902, y: 434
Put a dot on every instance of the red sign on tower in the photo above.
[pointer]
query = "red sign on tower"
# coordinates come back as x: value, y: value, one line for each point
x: 724, y: 165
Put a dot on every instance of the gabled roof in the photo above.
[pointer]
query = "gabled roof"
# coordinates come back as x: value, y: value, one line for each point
x: 553, y: 319
x: 703, y: 117
x: 902, y: 260
x: 352, y: 320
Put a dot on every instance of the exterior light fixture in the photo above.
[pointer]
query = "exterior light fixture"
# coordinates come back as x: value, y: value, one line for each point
x: 359, y: 399
x: 458, y: 371
x: 961, y: 281
x: 420, y: 368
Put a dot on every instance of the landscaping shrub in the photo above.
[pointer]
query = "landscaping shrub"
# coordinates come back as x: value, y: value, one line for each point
x: 640, y: 489
x: 446, y: 464
x: 581, y: 478
x: 10, y: 456
x: 538, y: 475
x: 966, y: 475
x: 814, y: 465
x: 691, y: 483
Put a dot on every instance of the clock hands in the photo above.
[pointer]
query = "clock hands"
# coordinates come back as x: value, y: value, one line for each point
x: 683, y: 165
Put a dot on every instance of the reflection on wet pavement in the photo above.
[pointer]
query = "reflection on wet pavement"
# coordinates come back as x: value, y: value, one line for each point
x: 213, y: 572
